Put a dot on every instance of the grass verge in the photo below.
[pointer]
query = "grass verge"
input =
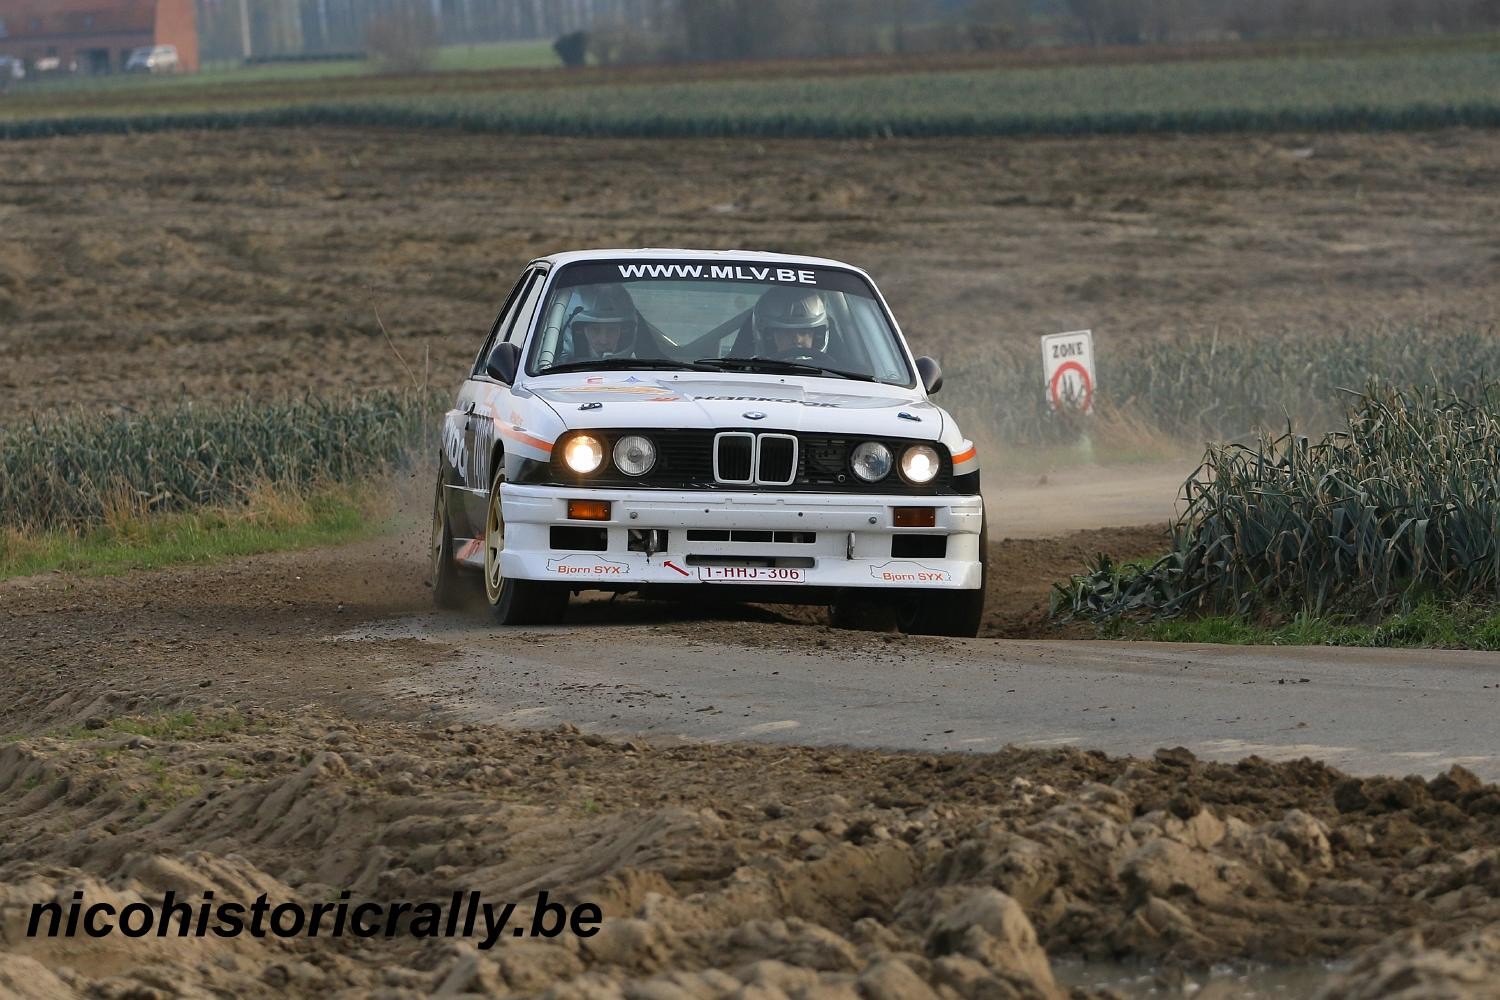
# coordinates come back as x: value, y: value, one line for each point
x: 273, y: 519
x: 206, y: 724
x: 1429, y: 625
x: 482, y: 57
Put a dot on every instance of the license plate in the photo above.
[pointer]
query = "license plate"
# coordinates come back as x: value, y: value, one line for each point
x: 751, y: 574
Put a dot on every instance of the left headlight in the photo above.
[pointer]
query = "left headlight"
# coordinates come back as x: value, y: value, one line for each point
x: 583, y: 453
x: 871, y: 461
x: 634, y: 455
x: 919, y: 464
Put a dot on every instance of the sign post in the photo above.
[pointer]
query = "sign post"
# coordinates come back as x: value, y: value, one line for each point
x: 1068, y: 366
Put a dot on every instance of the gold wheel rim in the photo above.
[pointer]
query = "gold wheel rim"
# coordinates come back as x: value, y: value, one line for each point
x: 494, y: 544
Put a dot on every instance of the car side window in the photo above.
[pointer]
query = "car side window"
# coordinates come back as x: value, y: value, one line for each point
x: 521, y: 321
x: 506, y: 312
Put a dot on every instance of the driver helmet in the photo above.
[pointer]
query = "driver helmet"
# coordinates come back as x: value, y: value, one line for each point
x: 790, y: 322
x: 601, y: 319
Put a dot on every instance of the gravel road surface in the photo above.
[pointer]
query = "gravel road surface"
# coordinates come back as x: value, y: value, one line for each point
x: 1362, y: 710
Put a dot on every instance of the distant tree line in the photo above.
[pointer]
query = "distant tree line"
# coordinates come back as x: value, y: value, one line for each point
x: 755, y: 29
x: 233, y: 29
x: 622, y: 31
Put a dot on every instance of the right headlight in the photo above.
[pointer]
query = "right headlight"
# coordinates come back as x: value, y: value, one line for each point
x: 919, y: 464
x: 871, y: 461
x: 634, y: 455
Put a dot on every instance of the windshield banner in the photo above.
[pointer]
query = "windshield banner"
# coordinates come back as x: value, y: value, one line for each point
x: 720, y: 272
x: 604, y: 272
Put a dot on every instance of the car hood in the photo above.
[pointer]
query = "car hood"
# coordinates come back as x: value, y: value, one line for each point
x: 692, y: 400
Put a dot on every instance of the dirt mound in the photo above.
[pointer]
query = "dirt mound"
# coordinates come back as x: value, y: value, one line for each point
x: 1023, y: 570
x: 730, y: 868
x: 1405, y: 969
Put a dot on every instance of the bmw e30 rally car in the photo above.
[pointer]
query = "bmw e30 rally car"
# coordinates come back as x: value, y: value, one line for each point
x: 647, y: 419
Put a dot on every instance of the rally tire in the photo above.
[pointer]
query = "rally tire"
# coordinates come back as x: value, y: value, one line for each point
x: 515, y: 602
x: 859, y: 612
x: 957, y: 613
x: 451, y: 586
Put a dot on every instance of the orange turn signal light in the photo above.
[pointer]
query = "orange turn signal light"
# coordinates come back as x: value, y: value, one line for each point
x: 915, y: 517
x: 588, y: 510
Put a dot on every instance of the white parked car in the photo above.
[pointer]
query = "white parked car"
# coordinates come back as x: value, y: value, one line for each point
x: 651, y: 419
x: 153, y: 59
x: 11, y: 69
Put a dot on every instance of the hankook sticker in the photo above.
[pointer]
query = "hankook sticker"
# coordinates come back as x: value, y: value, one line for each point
x: 770, y: 399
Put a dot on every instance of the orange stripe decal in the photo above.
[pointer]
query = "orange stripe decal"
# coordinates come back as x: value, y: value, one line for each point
x: 526, y: 439
x: 965, y: 456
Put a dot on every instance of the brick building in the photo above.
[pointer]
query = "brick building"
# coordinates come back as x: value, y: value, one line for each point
x: 97, y: 35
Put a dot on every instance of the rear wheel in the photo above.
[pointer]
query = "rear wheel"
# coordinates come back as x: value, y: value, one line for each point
x: 451, y: 586
x: 957, y: 613
x: 515, y: 602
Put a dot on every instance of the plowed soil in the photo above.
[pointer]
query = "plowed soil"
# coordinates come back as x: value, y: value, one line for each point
x: 139, y: 269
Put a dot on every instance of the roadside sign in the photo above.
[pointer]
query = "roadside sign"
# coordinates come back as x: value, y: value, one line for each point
x: 1068, y: 364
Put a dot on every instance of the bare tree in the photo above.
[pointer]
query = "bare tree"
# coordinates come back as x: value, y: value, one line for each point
x: 403, y: 40
x: 1108, y: 22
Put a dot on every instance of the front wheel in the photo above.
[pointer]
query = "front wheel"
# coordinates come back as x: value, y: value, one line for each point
x: 515, y: 602
x: 954, y: 613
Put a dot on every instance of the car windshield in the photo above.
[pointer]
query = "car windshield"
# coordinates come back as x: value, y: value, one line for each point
x: 772, y: 317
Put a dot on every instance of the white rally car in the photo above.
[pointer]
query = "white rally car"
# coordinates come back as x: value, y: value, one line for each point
x: 645, y: 419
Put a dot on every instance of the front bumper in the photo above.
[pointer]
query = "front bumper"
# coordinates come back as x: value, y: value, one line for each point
x: 817, y: 539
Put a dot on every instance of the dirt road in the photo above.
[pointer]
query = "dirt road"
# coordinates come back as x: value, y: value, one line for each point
x: 810, y: 686
x: 1059, y: 501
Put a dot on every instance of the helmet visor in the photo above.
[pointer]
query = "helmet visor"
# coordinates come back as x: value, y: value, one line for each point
x: 790, y: 338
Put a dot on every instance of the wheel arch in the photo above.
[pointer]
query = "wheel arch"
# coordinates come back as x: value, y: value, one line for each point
x: 497, y: 461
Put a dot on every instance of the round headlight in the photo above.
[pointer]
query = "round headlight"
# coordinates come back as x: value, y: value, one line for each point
x: 871, y: 461
x: 584, y: 453
x: 919, y: 464
x: 634, y: 455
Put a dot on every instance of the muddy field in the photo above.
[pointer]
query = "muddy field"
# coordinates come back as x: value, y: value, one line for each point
x: 148, y: 268
x: 198, y: 728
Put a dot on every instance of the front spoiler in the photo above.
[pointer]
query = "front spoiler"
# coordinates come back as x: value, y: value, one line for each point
x: 852, y: 546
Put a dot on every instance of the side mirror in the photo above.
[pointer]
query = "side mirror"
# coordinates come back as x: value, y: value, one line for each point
x: 503, y: 363
x: 931, y: 373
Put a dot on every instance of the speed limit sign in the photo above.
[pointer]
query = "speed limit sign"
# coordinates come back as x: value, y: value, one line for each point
x: 1068, y: 365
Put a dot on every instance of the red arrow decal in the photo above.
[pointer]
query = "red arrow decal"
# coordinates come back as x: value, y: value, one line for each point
x: 671, y: 565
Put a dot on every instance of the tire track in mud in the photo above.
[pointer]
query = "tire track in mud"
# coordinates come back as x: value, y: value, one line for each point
x: 820, y: 872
